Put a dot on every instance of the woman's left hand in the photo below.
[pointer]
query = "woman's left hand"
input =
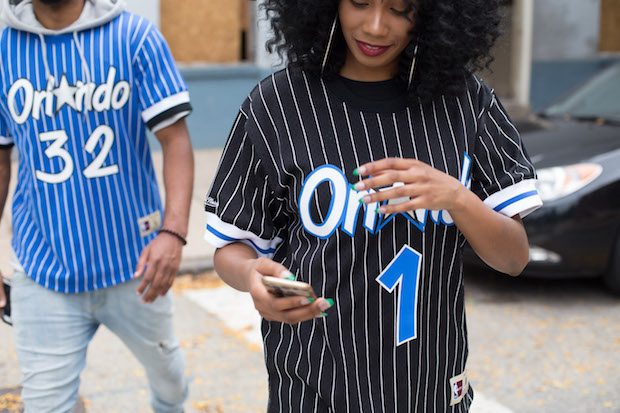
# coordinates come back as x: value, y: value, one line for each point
x: 414, y: 185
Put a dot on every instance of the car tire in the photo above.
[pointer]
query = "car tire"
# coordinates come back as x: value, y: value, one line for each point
x: 612, y: 277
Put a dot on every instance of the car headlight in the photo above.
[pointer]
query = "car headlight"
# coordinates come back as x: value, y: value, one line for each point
x: 557, y: 182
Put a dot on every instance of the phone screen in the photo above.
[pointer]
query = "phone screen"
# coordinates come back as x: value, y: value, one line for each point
x: 6, y: 311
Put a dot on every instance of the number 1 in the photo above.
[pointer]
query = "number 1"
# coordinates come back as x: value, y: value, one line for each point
x: 404, y: 270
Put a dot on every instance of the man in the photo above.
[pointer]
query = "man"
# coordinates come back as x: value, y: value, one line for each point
x: 82, y: 80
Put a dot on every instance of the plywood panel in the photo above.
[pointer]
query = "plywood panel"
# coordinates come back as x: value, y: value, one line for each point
x: 203, y: 30
x: 610, y: 26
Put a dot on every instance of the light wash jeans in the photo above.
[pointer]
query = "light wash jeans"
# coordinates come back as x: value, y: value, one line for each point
x: 53, y: 330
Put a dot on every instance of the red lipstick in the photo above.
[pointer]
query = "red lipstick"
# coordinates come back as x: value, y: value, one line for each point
x: 371, y: 50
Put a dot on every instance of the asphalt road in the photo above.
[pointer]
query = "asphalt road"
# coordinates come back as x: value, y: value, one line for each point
x: 549, y: 346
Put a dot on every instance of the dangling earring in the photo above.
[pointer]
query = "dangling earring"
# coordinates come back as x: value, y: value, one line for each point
x: 329, y: 44
x: 413, y: 61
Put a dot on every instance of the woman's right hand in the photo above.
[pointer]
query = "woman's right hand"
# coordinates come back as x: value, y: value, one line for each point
x: 289, y: 310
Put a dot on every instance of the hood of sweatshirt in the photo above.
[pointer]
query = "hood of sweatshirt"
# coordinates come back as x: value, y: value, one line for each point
x: 19, y: 14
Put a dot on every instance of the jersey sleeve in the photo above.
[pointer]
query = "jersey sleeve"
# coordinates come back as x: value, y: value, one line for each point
x: 6, y: 142
x: 240, y: 205
x: 503, y: 175
x: 164, y: 98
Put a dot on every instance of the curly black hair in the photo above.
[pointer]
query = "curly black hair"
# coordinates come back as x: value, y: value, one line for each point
x: 454, y: 39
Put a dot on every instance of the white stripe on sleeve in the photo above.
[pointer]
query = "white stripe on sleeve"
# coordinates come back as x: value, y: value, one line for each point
x: 521, y: 198
x: 165, y: 104
x: 219, y: 234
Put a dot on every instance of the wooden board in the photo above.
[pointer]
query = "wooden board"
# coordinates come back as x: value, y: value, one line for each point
x: 203, y: 30
x: 610, y: 26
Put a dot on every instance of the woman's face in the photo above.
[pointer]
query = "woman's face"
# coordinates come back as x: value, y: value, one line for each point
x: 376, y: 33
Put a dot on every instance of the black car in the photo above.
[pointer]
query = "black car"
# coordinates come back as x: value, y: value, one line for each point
x: 575, y: 146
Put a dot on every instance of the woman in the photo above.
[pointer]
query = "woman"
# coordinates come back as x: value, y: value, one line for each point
x: 351, y: 170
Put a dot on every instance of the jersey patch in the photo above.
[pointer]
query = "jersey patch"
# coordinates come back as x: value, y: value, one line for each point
x: 149, y: 224
x: 459, y: 385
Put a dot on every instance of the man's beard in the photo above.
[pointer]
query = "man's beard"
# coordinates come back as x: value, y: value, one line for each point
x: 53, y: 2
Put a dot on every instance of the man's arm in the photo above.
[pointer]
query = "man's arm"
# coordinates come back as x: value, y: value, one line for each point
x: 160, y: 260
x: 5, y: 179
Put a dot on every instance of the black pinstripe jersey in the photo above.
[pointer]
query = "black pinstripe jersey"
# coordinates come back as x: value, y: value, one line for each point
x: 395, y: 340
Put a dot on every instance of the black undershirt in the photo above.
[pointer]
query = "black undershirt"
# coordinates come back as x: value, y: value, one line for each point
x: 381, y: 97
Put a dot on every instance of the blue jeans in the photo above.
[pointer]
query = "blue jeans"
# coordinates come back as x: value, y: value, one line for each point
x: 53, y: 330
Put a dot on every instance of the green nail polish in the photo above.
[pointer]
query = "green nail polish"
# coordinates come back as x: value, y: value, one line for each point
x: 323, y: 314
x: 356, y: 172
x: 361, y: 201
x: 291, y: 277
x: 311, y: 300
x: 329, y: 301
x: 352, y: 187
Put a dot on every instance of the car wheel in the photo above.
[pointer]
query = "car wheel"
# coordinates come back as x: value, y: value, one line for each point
x: 612, y: 277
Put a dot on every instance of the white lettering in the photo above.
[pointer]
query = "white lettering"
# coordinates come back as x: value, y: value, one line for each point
x: 120, y: 95
x: 26, y: 87
x: 339, y: 188
x: 103, y: 95
x: 24, y: 100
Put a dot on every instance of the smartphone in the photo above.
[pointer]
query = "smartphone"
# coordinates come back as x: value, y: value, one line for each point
x: 6, y: 311
x: 287, y: 288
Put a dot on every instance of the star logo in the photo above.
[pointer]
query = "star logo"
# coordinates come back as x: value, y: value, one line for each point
x: 65, y: 94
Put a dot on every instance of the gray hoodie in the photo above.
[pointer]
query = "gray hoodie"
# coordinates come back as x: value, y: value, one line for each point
x: 19, y: 15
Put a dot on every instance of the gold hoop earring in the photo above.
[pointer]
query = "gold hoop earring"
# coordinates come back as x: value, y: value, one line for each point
x: 413, y: 65
x: 329, y: 44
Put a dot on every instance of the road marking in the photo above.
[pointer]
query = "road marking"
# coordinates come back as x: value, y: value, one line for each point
x: 236, y: 310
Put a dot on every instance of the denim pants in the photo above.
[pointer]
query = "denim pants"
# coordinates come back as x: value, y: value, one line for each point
x: 53, y: 330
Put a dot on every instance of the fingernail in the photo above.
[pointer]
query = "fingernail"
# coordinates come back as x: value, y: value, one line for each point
x: 311, y: 299
x: 322, y: 315
x: 327, y: 303
x: 359, y: 171
x: 304, y: 301
x: 380, y: 210
x: 356, y: 172
x: 351, y: 186
x: 366, y: 199
x: 2, y: 303
x: 359, y: 186
x: 288, y: 275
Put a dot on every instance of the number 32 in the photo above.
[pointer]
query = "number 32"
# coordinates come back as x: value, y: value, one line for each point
x: 94, y: 170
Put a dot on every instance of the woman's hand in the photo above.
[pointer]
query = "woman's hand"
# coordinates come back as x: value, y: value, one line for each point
x: 414, y: 185
x: 290, y: 310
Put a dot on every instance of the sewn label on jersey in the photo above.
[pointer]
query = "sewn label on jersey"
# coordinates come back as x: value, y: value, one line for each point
x: 210, y: 202
x: 149, y: 224
x: 459, y: 385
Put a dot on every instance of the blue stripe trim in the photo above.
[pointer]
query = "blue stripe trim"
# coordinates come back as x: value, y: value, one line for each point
x: 515, y: 199
x: 230, y: 239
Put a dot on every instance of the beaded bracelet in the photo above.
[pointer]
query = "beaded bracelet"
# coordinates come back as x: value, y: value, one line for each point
x: 174, y: 234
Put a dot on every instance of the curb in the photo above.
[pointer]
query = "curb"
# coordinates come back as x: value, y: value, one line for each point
x: 195, y: 266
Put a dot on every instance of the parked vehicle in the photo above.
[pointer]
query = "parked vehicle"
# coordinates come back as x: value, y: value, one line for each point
x: 575, y: 147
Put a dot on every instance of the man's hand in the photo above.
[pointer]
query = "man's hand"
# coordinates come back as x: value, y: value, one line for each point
x: 2, y: 296
x: 158, y: 264
x: 290, y: 310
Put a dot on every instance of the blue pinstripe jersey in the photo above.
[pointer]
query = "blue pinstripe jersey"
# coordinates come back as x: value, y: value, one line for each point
x: 77, y: 106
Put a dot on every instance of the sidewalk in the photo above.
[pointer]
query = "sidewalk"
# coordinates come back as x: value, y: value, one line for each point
x: 226, y: 373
